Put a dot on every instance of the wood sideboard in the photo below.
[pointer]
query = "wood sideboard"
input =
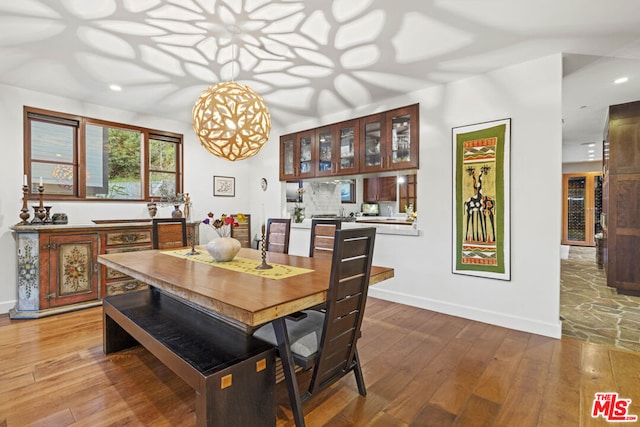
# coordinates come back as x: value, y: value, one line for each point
x: 57, y: 267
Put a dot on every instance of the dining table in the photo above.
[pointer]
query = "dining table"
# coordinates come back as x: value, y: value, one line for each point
x: 237, y: 292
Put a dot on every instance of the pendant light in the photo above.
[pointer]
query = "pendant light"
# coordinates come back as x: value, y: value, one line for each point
x: 231, y: 120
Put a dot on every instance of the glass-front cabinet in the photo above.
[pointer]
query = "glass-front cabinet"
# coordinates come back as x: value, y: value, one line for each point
x: 390, y: 140
x: 372, y: 153
x: 337, y: 148
x: 386, y: 141
x: 296, y: 156
x: 349, y: 146
x: 402, y: 134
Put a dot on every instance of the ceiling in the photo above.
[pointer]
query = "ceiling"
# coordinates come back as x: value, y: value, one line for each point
x: 310, y: 58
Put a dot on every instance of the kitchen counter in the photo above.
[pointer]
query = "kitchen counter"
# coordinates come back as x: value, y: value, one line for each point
x: 383, y: 225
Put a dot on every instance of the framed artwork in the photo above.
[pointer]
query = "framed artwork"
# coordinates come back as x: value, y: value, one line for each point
x: 224, y: 186
x: 481, y: 202
x: 348, y: 191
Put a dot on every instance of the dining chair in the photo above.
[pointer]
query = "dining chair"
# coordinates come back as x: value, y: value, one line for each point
x: 326, y: 341
x: 169, y: 233
x: 278, y: 232
x: 322, y: 237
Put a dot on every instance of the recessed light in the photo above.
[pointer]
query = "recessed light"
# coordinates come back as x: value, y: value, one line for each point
x: 115, y: 88
x: 621, y: 80
x: 591, y: 145
x: 592, y: 151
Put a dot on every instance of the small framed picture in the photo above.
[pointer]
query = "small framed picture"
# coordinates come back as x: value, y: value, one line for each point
x: 224, y: 186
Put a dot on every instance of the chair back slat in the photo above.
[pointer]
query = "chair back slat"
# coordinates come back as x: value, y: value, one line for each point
x: 323, y: 237
x: 169, y: 233
x: 277, y: 235
x: 346, y: 299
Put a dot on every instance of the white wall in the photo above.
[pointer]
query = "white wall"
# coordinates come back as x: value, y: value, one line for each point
x: 528, y: 93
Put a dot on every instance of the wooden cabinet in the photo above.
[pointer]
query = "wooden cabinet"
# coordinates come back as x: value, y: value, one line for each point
x: 408, y: 192
x: 390, y: 140
x: 69, y: 269
x: 621, y: 198
x: 58, y: 269
x: 336, y: 149
x: 581, y: 208
x: 242, y: 231
x: 297, y: 156
x: 380, y: 189
x: 386, y: 141
x: 130, y: 240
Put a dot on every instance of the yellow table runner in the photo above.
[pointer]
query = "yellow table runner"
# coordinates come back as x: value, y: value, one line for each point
x: 242, y: 265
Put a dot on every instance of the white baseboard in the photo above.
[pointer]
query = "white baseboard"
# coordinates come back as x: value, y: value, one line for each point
x: 518, y: 323
x: 5, y: 306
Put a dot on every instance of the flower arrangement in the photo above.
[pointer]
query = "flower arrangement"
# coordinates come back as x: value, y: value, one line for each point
x: 223, y: 225
x: 298, y: 211
x: 411, y: 214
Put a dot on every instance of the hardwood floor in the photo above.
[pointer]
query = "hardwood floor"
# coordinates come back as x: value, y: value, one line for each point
x: 421, y: 369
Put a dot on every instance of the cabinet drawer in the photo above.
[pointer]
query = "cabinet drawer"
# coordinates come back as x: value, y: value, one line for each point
x: 117, y: 238
x: 124, y: 286
x: 128, y: 249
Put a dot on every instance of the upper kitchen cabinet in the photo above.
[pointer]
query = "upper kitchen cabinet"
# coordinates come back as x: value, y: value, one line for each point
x: 372, y: 154
x: 386, y: 141
x: 337, y: 149
x: 297, y: 156
x: 390, y: 140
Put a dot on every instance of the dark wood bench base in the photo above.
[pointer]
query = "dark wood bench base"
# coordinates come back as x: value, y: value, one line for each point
x: 232, y: 372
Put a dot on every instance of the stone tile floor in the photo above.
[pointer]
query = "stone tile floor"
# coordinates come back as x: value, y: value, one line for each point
x: 590, y: 310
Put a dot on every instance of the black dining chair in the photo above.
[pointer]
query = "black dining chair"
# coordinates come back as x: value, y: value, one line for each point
x: 322, y: 236
x: 326, y: 341
x: 169, y: 233
x: 277, y: 235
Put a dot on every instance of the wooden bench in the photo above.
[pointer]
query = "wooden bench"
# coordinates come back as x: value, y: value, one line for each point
x: 232, y: 372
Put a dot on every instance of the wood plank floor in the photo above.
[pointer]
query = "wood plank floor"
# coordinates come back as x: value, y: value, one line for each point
x: 421, y: 369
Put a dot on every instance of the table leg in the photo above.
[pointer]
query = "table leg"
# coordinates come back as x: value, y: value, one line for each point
x: 280, y: 328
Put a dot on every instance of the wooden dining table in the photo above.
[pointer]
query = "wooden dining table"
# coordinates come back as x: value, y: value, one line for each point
x: 246, y: 299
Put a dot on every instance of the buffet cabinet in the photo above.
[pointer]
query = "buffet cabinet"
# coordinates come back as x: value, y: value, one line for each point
x: 57, y: 265
x: 386, y: 141
x: 621, y: 198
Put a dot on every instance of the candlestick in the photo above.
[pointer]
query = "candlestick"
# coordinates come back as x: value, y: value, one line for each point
x: 41, y: 212
x: 24, y: 212
x: 264, y: 265
x: 193, y: 246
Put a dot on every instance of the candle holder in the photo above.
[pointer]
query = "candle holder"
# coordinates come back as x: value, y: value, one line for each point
x: 264, y: 265
x: 24, y: 212
x: 40, y: 212
x: 193, y: 247
x: 47, y: 215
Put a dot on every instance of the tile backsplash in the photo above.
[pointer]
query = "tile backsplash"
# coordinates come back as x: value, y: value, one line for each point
x: 322, y: 198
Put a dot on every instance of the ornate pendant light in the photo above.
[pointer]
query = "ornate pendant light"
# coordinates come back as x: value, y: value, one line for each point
x: 231, y: 120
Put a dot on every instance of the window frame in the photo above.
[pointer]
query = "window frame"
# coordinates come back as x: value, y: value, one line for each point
x: 79, y: 154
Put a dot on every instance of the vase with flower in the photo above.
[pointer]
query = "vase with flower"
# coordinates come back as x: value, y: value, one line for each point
x: 224, y: 248
x: 298, y: 211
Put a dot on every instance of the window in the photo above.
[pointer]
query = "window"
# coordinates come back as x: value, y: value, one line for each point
x: 90, y: 159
